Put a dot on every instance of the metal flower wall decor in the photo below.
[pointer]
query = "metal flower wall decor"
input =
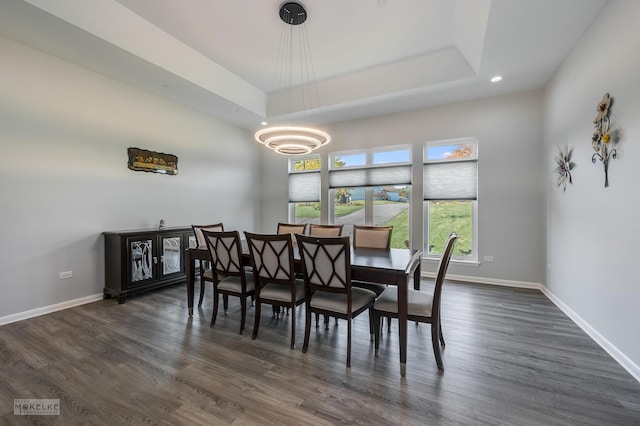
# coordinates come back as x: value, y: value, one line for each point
x: 603, y: 137
x: 564, y: 165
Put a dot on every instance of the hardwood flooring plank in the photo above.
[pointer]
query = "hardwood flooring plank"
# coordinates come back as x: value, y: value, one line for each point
x: 512, y: 358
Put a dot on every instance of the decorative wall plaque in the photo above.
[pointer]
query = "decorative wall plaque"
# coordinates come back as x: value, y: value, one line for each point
x: 604, y: 138
x: 151, y: 161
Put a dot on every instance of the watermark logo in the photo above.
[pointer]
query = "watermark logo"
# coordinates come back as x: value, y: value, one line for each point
x: 36, y: 407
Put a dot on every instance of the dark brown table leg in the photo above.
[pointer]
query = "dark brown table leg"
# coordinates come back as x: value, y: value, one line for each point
x: 190, y: 263
x: 402, y: 322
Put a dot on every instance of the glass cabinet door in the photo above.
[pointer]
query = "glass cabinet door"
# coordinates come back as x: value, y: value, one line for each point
x: 142, y: 260
x: 171, y: 257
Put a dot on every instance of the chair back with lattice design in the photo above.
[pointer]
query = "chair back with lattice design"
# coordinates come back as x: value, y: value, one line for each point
x: 377, y: 237
x: 226, y: 252
x: 326, y: 263
x: 197, y: 230
x: 272, y: 257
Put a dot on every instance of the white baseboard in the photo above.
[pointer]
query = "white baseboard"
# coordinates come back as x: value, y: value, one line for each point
x: 49, y: 309
x: 482, y: 280
x: 615, y: 353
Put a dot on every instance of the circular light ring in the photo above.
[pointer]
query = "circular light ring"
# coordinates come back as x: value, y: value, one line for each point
x: 292, y: 149
x: 276, y: 141
x: 322, y: 137
x: 287, y: 139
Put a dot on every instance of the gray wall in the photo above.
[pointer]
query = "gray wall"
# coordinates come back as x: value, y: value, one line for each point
x: 511, y: 204
x: 64, y: 133
x: 593, y: 232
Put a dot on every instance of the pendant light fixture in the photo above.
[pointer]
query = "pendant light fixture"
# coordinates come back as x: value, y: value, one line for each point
x: 294, y: 140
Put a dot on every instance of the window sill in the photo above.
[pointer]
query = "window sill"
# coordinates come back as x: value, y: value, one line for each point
x: 454, y: 261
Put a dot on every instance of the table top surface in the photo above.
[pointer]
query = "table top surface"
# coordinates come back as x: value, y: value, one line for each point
x: 395, y: 259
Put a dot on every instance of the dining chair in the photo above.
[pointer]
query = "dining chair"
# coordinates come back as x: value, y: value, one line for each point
x: 422, y: 306
x: 274, y: 276
x: 372, y: 237
x: 317, y: 230
x: 230, y: 278
x: 292, y: 228
x: 376, y: 237
x: 205, y: 269
x: 326, y: 264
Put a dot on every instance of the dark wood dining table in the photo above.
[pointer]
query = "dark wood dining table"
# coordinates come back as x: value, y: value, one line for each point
x: 392, y: 267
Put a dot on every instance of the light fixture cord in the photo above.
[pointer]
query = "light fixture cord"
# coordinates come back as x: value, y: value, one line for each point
x: 311, y: 89
x: 283, y: 77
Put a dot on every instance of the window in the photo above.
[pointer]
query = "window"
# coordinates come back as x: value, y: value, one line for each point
x: 372, y: 188
x: 304, y: 189
x: 450, y: 180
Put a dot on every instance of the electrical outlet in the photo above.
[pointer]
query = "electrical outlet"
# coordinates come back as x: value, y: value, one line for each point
x: 488, y: 258
x: 65, y: 275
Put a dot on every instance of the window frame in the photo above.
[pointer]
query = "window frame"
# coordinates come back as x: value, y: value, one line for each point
x: 369, y: 154
x: 291, y: 207
x: 473, y: 257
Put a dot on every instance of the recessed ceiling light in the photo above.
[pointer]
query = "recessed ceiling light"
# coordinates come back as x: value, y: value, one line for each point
x: 496, y: 79
x: 264, y: 123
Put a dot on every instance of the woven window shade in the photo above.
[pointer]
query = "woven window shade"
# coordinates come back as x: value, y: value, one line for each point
x: 373, y: 176
x: 451, y: 180
x: 304, y: 187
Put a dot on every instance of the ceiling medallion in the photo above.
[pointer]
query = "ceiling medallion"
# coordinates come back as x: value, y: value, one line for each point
x: 294, y: 140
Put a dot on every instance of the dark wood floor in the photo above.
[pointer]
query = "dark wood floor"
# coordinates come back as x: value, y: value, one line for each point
x: 512, y: 358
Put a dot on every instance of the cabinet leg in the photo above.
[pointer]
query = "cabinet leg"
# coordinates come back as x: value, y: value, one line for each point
x: 106, y: 294
x: 121, y: 300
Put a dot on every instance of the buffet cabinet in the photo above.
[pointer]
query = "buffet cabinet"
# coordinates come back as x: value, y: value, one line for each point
x: 142, y: 260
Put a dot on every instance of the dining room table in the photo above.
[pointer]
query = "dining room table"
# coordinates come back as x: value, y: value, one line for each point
x: 395, y: 266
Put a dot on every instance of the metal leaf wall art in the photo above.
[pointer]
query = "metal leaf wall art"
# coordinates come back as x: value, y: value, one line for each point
x: 564, y: 165
x: 604, y: 138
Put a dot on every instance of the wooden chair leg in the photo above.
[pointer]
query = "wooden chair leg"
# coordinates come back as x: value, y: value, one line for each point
x: 202, y: 286
x: 371, y: 325
x: 435, y: 341
x: 243, y: 309
x: 256, y: 321
x: 293, y: 327
x: 215, y: 307
x: 307, y: 327
x: 225, y: 303
x: 349, y: 343
x: 376, y: 331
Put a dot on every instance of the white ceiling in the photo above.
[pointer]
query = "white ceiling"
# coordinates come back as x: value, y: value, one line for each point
x: 369, y: 57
